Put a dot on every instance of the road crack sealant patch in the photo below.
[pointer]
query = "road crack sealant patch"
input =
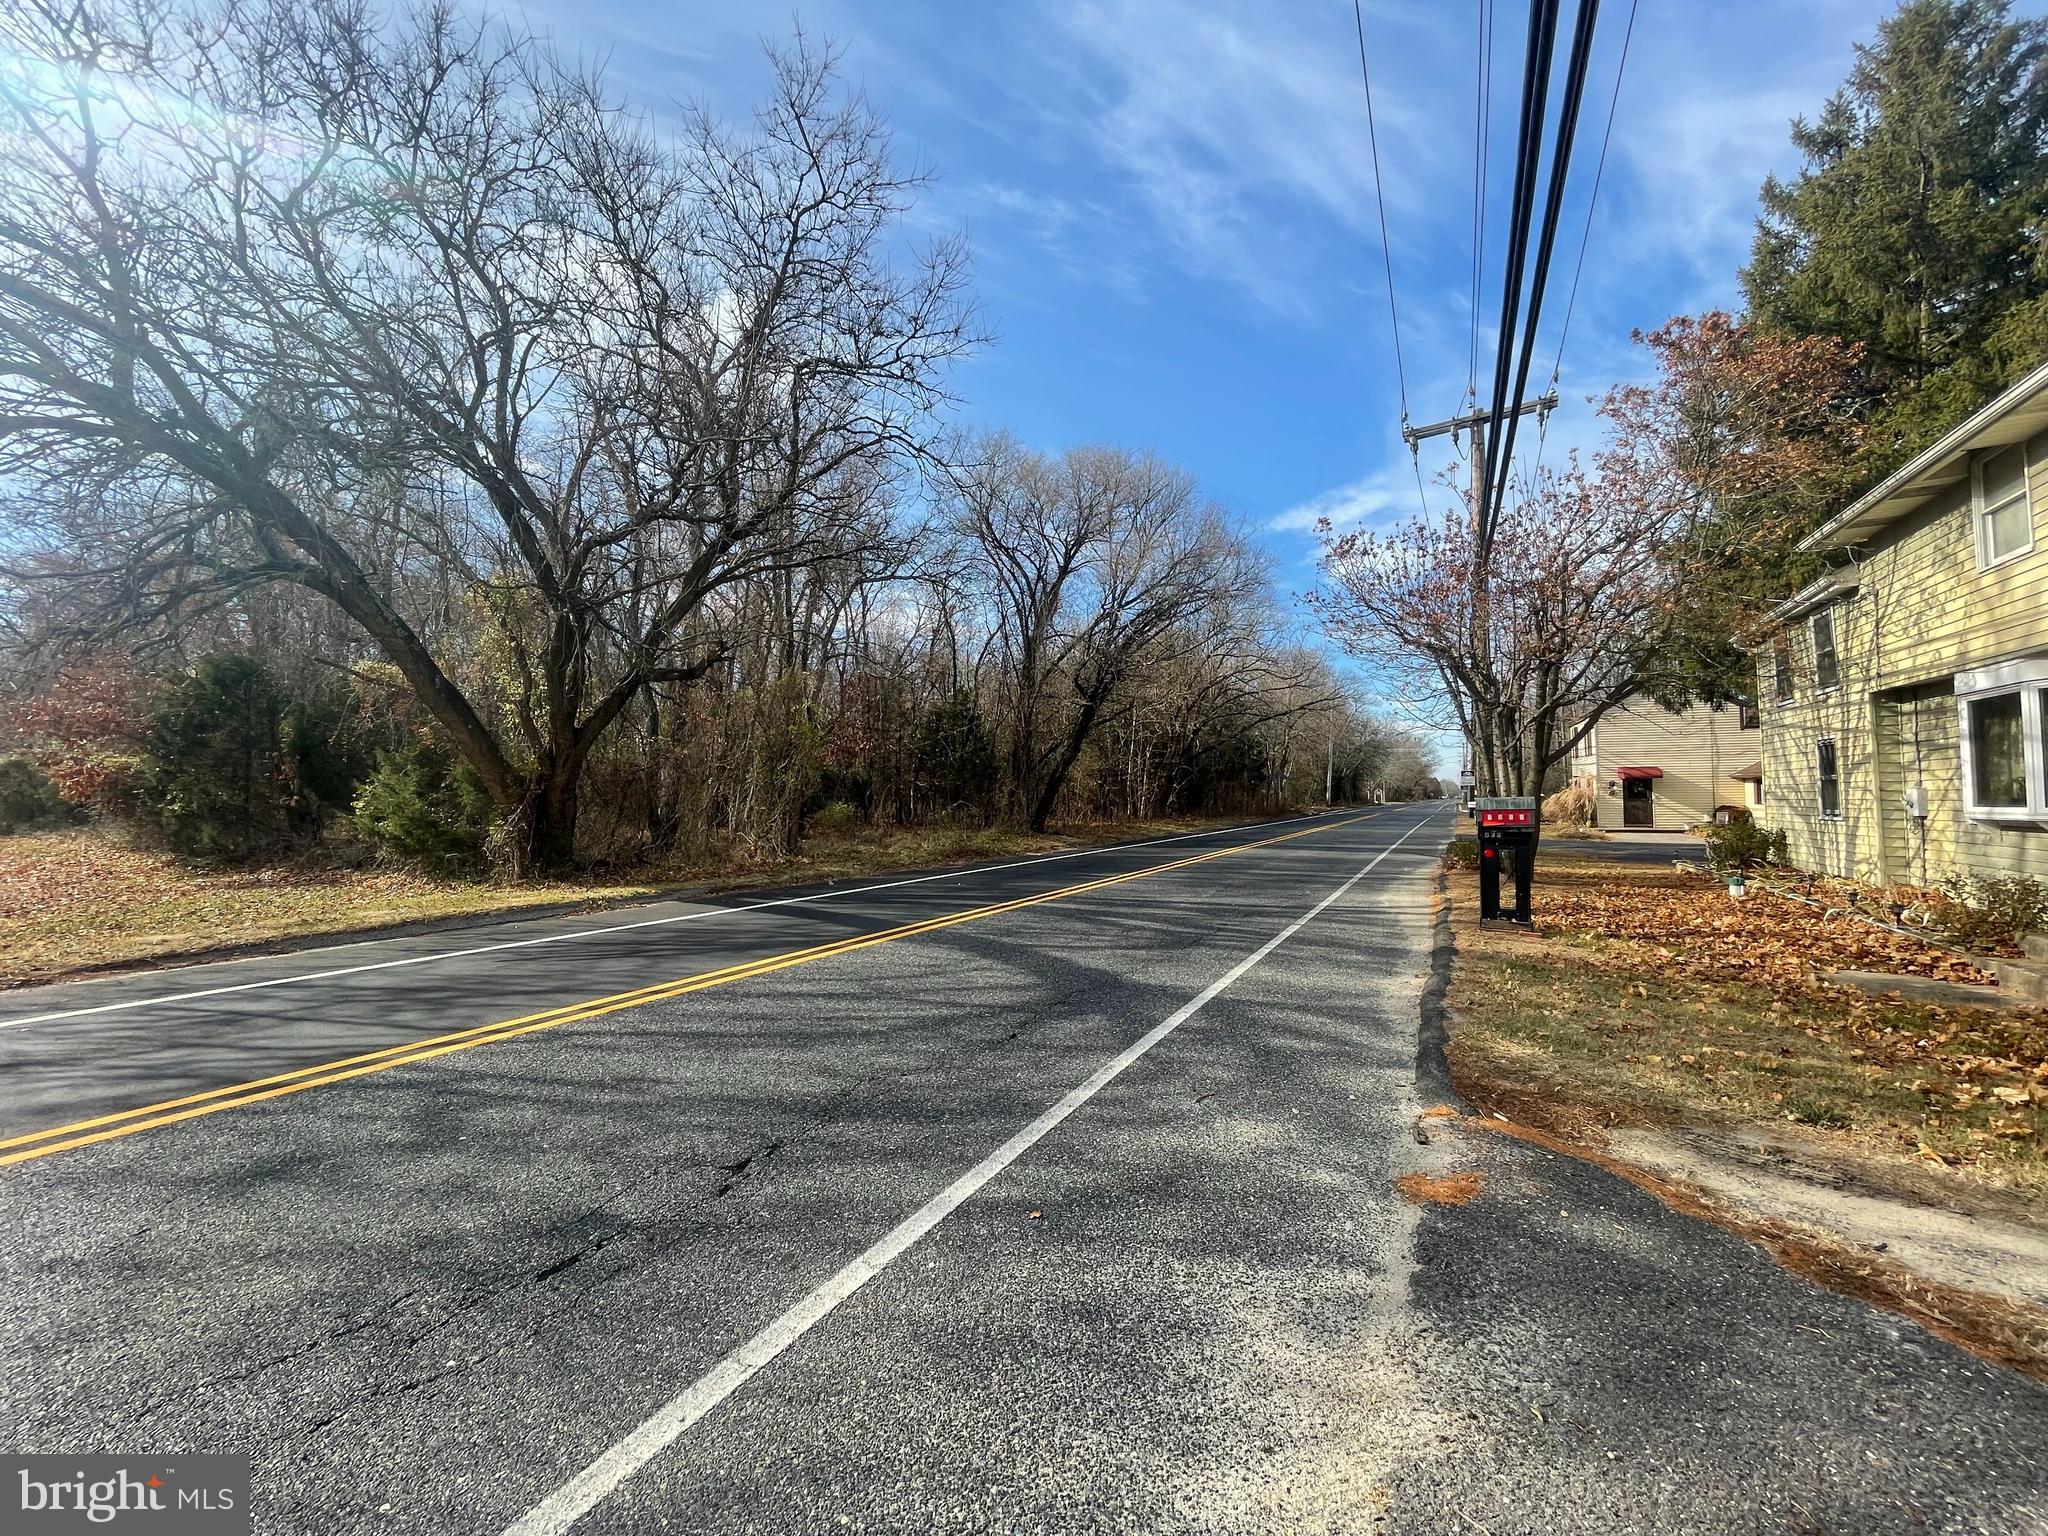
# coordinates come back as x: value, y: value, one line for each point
x: 735, y: 1172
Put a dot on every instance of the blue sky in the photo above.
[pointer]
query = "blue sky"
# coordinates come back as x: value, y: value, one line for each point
x: 1171, y: 203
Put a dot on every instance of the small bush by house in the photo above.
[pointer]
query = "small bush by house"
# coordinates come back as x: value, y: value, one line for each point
x: 1740, y: 844
x: 1570, y: 810
x: 1987, y: 911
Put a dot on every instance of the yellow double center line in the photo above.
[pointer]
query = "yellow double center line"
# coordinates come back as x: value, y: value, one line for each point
x: 144, y: 1117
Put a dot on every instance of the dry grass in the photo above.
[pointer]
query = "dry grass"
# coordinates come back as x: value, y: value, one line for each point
x: 1648, y: 996
x: 79, y: 901
x: 74, y: 901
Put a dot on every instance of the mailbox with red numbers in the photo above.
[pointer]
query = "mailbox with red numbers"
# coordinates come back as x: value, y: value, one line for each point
x: 1507, y: 835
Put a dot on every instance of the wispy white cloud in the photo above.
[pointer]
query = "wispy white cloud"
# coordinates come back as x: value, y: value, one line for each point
x: 1694, y: 162
x: 1385, y: 495
x: 1705, y: 116
x: 1034, y: 227
x: 1239, y: 131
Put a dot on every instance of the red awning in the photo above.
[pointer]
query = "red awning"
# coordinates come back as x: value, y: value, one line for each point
x: 1639, y: 773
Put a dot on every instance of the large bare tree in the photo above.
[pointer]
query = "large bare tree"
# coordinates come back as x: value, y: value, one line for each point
x: 400, y: 310
x: 1093, y: 564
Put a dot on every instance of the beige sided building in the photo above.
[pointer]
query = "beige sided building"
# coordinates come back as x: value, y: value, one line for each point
x: 1905, y: 707
x: 1655, y: 769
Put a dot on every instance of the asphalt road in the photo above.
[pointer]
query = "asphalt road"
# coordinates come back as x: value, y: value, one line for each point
x: 1077, y: 1214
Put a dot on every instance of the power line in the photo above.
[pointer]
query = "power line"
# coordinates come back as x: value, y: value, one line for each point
x: 1586, y: 234
x: 1528, y: 150
x: 1553, y: 207
x: 1379, y: 194
x: 1592, y: 202
x: 1482, y: 118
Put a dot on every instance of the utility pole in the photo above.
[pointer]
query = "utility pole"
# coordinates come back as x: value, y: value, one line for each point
x: 1476, y: 422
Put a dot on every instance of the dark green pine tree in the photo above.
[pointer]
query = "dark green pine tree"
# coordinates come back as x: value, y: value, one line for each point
x: 1919, y: 224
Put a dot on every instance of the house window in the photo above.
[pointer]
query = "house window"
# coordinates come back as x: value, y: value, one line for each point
x: 1998, y: 752
x: 1827, y: 668
x: 2005, y: 740
x: 1781, y: 661
x: 1827, y: 778
x: 2005, y: 515
x: 1745, y: 716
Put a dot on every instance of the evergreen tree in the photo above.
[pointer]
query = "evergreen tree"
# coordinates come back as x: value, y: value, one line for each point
x: 237, y: 768
x: 1918, y: 226
x: 427, y: 807
x: 956, y: 759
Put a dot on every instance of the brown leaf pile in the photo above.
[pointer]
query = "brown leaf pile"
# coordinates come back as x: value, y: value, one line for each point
x: 1646, y: 987
x: 1689, y: 923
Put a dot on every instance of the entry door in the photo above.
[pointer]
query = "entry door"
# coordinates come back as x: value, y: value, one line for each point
x: 1638, y: 809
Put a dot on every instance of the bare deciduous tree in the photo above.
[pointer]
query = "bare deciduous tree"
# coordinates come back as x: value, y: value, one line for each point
x: 1565, y: 634
x: 1094, y: 563
x: 400, y: 310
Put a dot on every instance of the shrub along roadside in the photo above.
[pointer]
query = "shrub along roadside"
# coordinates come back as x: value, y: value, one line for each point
x: 423, y: 807
x: 29, y: 798
x: 237, y: 768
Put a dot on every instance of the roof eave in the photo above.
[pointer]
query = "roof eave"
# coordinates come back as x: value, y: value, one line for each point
x: 1824, y: 588
x: 1900, y: 484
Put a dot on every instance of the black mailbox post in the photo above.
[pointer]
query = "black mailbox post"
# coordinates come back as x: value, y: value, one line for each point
x: 1507, y: 834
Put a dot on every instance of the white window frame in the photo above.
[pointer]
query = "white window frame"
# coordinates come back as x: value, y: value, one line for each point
x: 2029, y: 679
x: 1980, y: 515
x: 1819, y: 801
x: 1825, y: 611
x: 1784, y: 681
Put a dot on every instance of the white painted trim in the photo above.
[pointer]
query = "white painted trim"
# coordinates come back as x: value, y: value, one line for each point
x: 555, y: 1514
x: 1955, y: 440
x: 2001, y: 675
x: 2026, y: 681
x: 1843, y: 581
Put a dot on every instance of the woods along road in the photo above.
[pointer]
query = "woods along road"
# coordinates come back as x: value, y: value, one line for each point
x: 1057, y: 1194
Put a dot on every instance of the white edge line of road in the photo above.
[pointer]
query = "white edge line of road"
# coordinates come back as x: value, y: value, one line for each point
x: 560, y: 1510
x: 652, y: 922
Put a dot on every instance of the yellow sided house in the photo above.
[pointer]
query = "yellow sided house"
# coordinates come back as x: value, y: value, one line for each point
x: 1905, y: 699
x: 1654, y: 769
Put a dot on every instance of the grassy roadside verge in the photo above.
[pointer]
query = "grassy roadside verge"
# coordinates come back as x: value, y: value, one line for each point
x: 1646, y: 1002
x: 1646, y: 996
x: 73, y: 903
